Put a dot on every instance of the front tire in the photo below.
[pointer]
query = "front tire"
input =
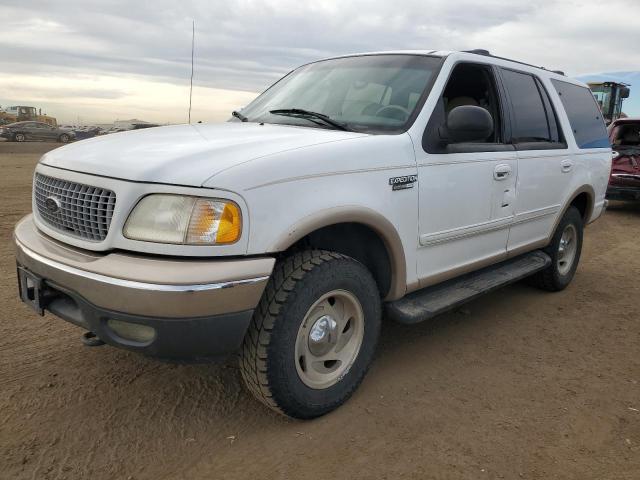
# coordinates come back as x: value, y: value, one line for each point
x: 565, y: 249
x: 19, y: 137
x: 64, y: 138
x: 313, y: 335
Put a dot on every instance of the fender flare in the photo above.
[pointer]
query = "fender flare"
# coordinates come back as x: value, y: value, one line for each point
x: 354, y: 214
x: 591, y: 195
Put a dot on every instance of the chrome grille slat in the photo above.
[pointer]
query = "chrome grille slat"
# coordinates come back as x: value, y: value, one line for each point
x: 85, y: 211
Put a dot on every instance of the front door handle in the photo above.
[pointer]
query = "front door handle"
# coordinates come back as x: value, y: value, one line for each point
x: 502, y: 171
x: 566, y: 166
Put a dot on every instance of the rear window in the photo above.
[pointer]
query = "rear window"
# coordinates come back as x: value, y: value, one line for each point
x: 584, y: 115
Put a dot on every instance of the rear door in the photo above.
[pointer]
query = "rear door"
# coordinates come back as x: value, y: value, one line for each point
x: 545, y: 167
x: 48, y: 132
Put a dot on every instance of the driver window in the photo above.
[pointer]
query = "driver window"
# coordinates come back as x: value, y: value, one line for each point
x: 468, y: 85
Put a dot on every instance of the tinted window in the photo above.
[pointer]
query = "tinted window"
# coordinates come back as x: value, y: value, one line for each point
x: 529, y: 116
x: 554, y: 126
x: 584, y: 115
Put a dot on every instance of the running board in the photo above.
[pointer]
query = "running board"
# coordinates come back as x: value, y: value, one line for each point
x: 429, y: 302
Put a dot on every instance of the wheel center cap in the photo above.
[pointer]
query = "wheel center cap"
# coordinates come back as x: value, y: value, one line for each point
x: 323, y: 336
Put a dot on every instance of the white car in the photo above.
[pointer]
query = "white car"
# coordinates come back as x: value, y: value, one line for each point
x: 409, y: 182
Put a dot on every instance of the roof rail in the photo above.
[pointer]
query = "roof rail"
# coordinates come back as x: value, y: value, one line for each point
x: 479, y: 51
x: 486, y: 53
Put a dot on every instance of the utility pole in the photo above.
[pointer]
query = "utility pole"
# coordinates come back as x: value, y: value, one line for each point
x: 193, y: 38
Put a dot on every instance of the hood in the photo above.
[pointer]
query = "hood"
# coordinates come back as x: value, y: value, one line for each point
x: 185, y: 154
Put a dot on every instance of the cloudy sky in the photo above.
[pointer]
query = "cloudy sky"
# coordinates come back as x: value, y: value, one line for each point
x: 91, y: 61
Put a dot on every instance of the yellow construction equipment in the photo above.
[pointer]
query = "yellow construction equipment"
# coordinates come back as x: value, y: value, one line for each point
x: 21, y: 113
x: 610, y: 96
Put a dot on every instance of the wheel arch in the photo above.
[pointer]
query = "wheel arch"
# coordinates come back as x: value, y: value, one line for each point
x: 583, y: 198
x: 359, y: 218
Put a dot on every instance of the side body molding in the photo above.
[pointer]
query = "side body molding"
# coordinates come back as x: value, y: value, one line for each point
x: 354, y: 214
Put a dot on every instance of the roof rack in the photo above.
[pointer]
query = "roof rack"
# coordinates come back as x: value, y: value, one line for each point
x: 479, y: 51
x: 486, y: 53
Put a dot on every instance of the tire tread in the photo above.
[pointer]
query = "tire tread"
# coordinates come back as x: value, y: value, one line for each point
x: 254, y: 355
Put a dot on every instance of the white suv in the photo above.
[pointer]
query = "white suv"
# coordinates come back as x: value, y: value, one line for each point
x: 405, y: 181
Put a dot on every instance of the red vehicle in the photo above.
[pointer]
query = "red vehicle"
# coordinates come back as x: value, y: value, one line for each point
x: 624, y: 183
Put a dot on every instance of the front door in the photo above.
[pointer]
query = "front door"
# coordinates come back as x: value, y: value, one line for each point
x: 466, y: 190
x: 36, y: 131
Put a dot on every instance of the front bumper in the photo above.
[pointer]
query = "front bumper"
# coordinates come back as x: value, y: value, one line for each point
x: 197, y: 308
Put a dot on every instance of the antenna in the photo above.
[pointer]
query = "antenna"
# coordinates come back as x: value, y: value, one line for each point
x: 193, y: 39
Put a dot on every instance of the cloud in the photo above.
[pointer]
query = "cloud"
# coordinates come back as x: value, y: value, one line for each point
x: 103, y: 98
x: 245, y: 45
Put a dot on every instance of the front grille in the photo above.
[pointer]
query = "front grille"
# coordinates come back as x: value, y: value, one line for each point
x: 74, y: 208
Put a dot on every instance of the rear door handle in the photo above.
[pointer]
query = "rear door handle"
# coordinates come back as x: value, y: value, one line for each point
x: 502, y: 171
x: 566, y: 165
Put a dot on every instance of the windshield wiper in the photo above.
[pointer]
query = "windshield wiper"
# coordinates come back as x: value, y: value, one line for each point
x: 239, y: 116
x: 301, y: 113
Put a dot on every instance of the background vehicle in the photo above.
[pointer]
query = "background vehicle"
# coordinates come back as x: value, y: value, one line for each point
x: 401, y: 182
x: 30, y: 131
x: 610, y: 96
x: 24, y: 113
x: 624, y: 183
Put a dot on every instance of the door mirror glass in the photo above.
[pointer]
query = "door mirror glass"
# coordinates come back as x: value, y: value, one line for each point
x: 469, y: 123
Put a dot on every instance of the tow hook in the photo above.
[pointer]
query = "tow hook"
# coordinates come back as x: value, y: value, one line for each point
x: 90, y: 339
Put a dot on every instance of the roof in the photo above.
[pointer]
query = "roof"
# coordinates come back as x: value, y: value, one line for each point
x: 445, y: 53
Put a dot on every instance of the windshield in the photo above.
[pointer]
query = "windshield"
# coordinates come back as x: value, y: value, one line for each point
x: 371, y: 93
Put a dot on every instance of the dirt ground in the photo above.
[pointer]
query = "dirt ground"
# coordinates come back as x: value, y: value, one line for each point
x: 519, y: 384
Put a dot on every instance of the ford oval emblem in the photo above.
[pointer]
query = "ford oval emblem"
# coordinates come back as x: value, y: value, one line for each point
x: 52, y: 204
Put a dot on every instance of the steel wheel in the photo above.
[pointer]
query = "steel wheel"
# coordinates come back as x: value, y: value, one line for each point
x: 312, y: 338
x: 567, y: 249
x: 329, y: 339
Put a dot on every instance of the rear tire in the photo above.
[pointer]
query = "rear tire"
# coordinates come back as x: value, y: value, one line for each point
x: 564, y: 250
x: 18, y: 137
x: 295, y: 358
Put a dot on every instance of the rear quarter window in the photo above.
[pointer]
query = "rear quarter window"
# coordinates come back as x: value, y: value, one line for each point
x: 584, y: 115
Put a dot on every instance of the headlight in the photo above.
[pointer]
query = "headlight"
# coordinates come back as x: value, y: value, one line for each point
x: 184, y: 220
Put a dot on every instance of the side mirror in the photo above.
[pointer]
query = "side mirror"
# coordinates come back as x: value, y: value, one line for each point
x: 469, y: 124
x: 624, y: 92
